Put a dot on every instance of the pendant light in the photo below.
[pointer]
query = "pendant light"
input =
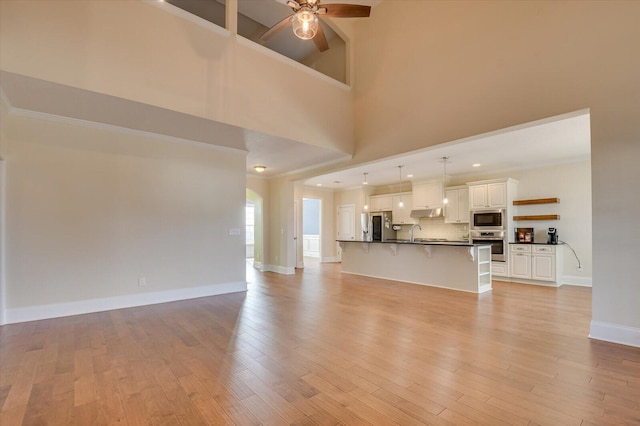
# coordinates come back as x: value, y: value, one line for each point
x: 366, y: 206
x: 445, y: 200
x: 400, y: 204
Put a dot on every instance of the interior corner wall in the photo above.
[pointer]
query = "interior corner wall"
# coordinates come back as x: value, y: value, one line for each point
x: 282, y: 248
x: 91, y: 211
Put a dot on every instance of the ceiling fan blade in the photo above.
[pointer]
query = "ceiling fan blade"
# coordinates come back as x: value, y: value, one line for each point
x: 347, y: 10
x: 321, y: 40
x: 277, y: 27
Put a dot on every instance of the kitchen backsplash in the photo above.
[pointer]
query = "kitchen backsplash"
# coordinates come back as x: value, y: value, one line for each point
x: 436, y: 228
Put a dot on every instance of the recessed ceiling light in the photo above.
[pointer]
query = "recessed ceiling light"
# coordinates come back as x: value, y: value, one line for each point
x: 318, y: 184
x: 409, y: 176
x: 476, y: 165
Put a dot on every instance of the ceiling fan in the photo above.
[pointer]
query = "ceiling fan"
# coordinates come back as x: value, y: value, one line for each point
x: 305, y: 20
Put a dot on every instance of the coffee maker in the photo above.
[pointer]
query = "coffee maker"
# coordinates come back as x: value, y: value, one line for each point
x: 552, y: 236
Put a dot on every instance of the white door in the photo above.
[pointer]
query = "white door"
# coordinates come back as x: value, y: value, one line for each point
x: 346, y: 224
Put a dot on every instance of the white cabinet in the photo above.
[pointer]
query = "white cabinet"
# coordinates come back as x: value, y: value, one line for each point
x: 488, y: 195
x: 401, y: 215
x: 499, y: 269
x: 520, y: 261
x: 457, y: 209
x: 381, y: 203
x: 427, y: 195
x: 534, y: 262
x: 543, y: 263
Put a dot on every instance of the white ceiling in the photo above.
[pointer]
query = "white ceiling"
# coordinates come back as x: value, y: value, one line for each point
x: 556, y: 140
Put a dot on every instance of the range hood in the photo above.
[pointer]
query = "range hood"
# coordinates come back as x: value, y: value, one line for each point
x: 427, y: 213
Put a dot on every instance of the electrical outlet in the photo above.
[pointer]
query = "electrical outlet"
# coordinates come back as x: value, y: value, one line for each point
x: 142, y: 281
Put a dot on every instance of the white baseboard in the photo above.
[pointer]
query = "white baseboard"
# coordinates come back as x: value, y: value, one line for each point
x: 531, y: 282
x: 577, y: 281
x: 334, y: 259
x: 484, y: 288
x: 614, y: 333
x: 56, y: 310
x: 258, y: 266
x: 284, y: 270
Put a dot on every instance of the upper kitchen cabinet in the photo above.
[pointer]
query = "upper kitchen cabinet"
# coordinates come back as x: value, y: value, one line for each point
x: 491, y: 194
x: 457, y: 210
x: 381, y: 203
x: 427, y: 195
x: 401, y: 215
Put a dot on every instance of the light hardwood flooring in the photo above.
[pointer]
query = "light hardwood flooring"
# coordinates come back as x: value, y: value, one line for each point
x: 324, y: 348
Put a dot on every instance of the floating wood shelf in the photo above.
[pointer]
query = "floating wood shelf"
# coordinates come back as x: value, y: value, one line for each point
x: 538, y: 217
x: 536, y: 201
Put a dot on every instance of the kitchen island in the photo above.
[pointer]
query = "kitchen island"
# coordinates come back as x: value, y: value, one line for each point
x: 448, y: 264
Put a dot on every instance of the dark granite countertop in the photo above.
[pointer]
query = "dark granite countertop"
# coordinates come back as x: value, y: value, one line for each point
x: 418, y: 241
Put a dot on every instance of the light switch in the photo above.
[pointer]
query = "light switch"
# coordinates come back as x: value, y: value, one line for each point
x: 234, y: 231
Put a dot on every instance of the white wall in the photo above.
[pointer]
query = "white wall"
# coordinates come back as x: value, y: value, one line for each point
x: 91, y: 210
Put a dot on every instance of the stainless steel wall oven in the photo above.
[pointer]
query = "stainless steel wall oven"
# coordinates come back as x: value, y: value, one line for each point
x: 497, y: 240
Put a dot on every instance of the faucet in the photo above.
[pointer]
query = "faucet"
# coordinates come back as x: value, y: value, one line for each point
x: 411, y: 232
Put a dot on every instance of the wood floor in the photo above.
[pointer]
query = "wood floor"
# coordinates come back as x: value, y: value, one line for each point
x: 322, y: 348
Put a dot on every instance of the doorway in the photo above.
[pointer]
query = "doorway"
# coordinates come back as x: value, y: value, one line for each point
x: 311, y: 230
x: 254, y: 230
x: 346, y: 225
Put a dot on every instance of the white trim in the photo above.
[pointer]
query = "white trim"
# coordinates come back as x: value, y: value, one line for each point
x: 615, y: 333
x: 484, y: 288
x: 112, y: 127
x: 284, y: 270
x: 258, y: 266
x: 331, y: 259
x: 577, y: 281
x: 530, y: 282
x: 56, y: 310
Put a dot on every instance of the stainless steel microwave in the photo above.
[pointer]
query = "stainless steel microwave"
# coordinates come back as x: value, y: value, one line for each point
x: 488, y: 219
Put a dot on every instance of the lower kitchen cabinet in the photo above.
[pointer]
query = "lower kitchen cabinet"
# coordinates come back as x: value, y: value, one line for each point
x: 499, y: 269
x: 535, y: 262
x: 520, y: 258
x: 543, y: 263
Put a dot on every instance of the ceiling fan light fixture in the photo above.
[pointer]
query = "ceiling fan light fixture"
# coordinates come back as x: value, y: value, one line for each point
x: 305, y: 24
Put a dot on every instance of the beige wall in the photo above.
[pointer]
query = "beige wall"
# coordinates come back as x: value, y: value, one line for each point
x: 91, y: 210
x: 139, y: 51
x: 439, y: 71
